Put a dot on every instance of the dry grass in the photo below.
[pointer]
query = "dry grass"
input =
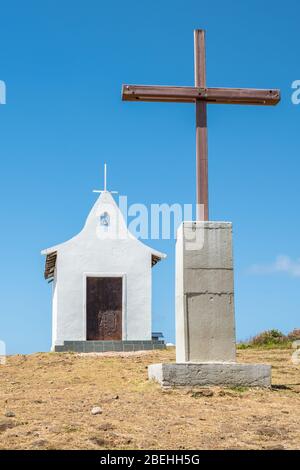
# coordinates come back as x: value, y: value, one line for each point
x: 51, y: 396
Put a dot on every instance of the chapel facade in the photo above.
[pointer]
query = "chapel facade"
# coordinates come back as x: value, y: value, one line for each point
x: 101, y: 285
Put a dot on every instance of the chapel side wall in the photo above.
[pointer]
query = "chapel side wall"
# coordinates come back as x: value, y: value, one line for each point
x: 54, y: 312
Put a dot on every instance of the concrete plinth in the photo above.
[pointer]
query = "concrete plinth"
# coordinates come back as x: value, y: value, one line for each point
x: 203, y: 374
x: 205, y: 327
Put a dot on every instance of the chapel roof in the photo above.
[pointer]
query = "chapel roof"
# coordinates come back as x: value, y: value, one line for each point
x: 104, y: 198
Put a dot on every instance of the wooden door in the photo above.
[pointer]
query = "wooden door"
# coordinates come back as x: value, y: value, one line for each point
x: 104, y: 308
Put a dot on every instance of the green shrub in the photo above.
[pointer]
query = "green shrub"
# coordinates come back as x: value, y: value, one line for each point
x: 269, y: 337
x: 243, y: 345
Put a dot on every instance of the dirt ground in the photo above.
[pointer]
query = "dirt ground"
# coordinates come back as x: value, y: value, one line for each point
x: 46, y: 401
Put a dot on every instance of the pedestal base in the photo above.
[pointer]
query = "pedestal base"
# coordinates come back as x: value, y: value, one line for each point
x: 230, y: 374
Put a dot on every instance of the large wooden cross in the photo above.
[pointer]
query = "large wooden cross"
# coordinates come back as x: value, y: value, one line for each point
x: 200, y: 95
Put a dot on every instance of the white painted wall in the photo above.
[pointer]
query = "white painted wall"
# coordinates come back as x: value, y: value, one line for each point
x: 54, y: 308
x: 102, y: 251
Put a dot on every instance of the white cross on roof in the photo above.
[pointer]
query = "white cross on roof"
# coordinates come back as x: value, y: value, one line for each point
x: 105, y: 186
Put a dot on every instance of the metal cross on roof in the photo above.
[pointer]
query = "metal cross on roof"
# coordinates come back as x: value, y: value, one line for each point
x: 200, y: 95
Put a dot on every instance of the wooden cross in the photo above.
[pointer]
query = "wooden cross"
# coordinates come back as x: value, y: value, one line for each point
x: 200, y: 95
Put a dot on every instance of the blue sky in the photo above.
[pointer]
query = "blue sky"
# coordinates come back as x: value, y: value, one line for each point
x: 64, y: 62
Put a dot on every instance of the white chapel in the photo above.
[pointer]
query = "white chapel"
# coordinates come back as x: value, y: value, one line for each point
x: 101, y: 294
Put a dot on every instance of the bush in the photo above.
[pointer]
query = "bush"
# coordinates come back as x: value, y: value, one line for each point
x: 269, y: 337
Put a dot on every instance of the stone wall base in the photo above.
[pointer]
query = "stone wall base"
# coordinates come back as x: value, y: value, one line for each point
x: 105, y: 346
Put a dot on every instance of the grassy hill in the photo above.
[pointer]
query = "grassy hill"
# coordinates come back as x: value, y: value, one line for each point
x: 46, y: 401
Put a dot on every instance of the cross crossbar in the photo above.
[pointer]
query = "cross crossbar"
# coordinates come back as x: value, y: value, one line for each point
x: 181, y: 94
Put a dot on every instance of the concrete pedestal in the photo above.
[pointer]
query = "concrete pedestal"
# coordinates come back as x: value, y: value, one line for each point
x: 205, y: 325
x: 205, y: 328
x: 229, y: 374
